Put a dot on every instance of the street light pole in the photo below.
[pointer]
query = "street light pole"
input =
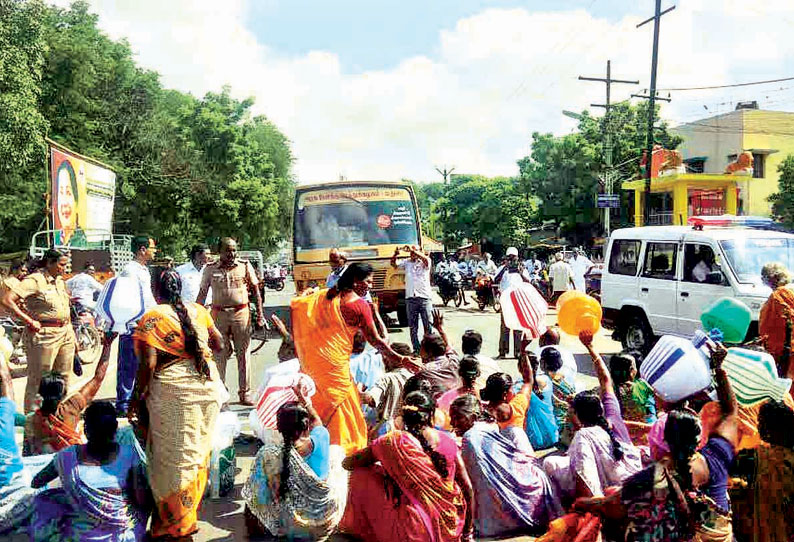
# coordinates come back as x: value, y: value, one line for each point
x: 607, y: 133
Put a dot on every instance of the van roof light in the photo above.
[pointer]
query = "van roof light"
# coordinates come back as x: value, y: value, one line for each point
x: 726, y: 221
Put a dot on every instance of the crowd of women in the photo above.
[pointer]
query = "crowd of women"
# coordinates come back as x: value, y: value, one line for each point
x: 454, y: 461
x: 443, y: 458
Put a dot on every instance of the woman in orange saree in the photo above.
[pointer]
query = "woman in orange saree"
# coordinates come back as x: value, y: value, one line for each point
x: 411, y: 485
x: 324, y: 323
x: 776, y: 315
x: 179, y: 386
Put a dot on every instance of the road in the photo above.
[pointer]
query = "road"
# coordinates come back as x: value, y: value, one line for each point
x: 222, y: 519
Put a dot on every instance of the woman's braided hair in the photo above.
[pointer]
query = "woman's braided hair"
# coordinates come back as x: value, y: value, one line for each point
x: 171, y: 293
x: 418, y: 410
x: 292, y: 421
x: 590, y: 411
x: 682, y: 434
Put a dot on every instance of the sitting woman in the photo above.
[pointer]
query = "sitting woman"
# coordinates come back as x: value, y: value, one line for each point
x: 103, y: 492
x: 414, y: 383
x: 289, y: 491
x: 509, y: 409
x: 636, y: 398
x: 601, y: 453
x: 16, y: 496
x: 684, y: 495
x: 469, y: 372
x: 409, y: 486
x: 512, y: 492
x: 54, y: 426
x: 563, y: 391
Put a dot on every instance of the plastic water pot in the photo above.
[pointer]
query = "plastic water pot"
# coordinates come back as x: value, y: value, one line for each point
x: 577, y: 312
x: 730, y: 316
x: 523, y: 308
x: 120, y: 303
x: 754, y: 376
x: 675, y: 369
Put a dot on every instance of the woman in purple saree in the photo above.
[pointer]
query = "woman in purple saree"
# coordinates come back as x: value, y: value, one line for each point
x: 102, y: 497
x: 512, y: 493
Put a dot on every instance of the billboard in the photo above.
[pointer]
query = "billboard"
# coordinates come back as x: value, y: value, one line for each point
x: 82, y: 197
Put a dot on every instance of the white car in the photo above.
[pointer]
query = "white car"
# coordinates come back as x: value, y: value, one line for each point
x: 657, y: 280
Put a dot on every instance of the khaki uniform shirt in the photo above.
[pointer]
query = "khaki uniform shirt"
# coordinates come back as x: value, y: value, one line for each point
x: 229, y: 284
x: 45, y: 297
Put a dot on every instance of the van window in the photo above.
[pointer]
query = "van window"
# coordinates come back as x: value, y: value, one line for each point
x: 660, y: 261
x: 699, y: 261
x: 623, y: 258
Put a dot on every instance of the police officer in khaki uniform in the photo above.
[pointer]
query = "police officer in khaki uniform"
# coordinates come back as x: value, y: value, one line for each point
x: 50, y: 342
x: 230, y: 280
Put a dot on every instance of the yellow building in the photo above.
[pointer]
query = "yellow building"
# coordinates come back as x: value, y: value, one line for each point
x: 709, y: 146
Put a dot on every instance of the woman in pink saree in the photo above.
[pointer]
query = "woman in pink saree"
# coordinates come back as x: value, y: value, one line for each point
x: 419, y: 491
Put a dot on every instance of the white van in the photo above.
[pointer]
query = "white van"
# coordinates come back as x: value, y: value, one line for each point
x: 657, y: 280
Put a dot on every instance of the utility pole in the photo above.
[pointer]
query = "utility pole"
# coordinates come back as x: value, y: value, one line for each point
x: 607, y: 133
x: 652, y: 102
x: 445, y: 173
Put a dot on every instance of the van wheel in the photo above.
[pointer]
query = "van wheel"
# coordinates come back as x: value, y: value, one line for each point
x: 637, y: 334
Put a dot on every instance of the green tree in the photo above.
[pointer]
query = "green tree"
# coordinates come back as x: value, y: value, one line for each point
x: 475, y: 207
x: 22, y: 126
x: 187, y: 169
x: 783, y: 200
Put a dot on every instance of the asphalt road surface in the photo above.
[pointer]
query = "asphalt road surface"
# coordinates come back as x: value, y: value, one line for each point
x: 222, y: 519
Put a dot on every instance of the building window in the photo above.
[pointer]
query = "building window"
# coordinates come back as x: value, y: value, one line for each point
x: 759, y: 165
x: 696, y: 165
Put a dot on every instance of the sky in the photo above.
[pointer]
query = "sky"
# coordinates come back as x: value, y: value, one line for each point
x: 395, y: 89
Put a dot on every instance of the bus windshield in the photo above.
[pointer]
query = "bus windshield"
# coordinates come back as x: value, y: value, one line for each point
x: 747, y: 256
x: 354, y: 217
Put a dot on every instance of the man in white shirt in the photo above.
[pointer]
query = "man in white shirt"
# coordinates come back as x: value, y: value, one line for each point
x: 190, y: 273
x: 486, y: 265
x: 509, y: 275
x: 580, y: 265
x: 83, y: 286
x: 143, y: 250
x: 561, y: 277
x: 418, y: 292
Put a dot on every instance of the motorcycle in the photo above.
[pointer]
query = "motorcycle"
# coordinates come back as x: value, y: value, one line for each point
x: 450, y: 287
x: 86, y: 334
x: 275, y: 281
x: 487, y: 293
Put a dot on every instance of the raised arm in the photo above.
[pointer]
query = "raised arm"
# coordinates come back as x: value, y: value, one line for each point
x: 90, y: 388
x: 421, y: 255
x: 728, y: 426
x: 604, y: 378
x: 438, y: 324
x: 315, y: 418
x: 527, y: 374
x: 394, y: 257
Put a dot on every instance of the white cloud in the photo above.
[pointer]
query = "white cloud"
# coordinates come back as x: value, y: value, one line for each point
x: 497, y: 77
